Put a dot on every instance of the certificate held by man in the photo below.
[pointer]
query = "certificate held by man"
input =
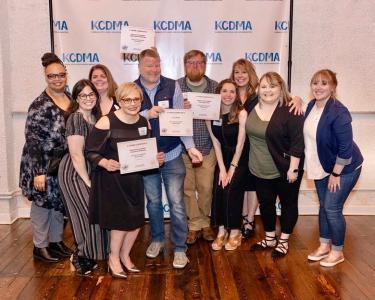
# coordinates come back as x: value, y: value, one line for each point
x: 204, y: 106
x: 136, y: 39
x: 137, y: 155
x: 176, y: 122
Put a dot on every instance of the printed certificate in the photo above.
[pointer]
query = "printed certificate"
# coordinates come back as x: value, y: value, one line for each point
x: 176, y: 122
x: 205, y: 106
x: 138, y: 155
x: 136, y: 39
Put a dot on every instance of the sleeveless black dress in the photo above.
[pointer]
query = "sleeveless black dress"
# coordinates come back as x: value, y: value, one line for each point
x: 227, y: 203
x: 116, y: 201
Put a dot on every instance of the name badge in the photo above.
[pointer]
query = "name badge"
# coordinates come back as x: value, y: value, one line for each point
x: 163, y: 104
x: 142, y: 130
x: 217, y: 122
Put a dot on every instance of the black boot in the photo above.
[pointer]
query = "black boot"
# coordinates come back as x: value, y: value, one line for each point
x: 43, y: 255
x: 59, y: 249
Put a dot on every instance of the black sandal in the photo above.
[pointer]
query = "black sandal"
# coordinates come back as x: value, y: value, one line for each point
x: 281, y: 250
x: 247, y: 232
x: 266, y: 243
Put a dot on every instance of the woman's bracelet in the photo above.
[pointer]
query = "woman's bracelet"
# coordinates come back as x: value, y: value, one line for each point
x: 335, y: 174
x: 234, y: 165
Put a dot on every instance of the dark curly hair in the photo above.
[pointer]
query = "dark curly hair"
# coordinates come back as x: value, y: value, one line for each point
x: 51, y: 58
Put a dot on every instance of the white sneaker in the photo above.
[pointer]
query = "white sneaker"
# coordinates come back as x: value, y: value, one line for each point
x: 154, y: 249
x: 180, y: 260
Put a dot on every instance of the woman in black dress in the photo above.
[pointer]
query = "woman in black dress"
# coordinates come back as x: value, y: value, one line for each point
x: 117, y: 201
x: 228, y: 137
x: 44, y: 147
x: 74, y: 179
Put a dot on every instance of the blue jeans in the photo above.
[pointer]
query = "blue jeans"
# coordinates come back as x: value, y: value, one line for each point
x: 172, y: 173
x: 332, y: 223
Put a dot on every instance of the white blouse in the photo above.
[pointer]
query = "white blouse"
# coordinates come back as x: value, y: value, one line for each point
x: 312, y: 164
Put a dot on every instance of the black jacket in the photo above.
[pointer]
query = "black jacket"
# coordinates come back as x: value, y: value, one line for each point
x: 284, y: 136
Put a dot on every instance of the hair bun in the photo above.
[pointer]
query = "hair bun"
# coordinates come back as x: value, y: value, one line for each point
x: 50, y: 58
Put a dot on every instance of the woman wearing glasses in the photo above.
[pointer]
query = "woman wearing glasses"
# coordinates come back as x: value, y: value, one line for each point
x: 74, y: 179
x: 44, y: 147
x: 117, y: 201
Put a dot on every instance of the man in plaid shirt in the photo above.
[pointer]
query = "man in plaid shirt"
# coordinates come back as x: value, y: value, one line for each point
x: 199, y: 178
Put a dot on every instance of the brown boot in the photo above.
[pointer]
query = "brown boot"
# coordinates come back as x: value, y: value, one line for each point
x: 192, y: 237
x: 208, y: 234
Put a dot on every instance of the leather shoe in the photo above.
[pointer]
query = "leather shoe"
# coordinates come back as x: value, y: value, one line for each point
x: 208, y: 234
x: 59, y: 249
x: 192, y: 237
x: 43, y: 255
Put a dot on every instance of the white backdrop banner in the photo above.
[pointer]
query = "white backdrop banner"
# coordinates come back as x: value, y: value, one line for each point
x: 88, y: 32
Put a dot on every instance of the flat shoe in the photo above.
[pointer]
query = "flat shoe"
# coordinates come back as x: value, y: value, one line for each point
x: 325, y: 263
x: 315, y: 257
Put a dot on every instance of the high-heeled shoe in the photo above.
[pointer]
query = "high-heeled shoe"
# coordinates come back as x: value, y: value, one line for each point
x: 219, y: 242
x: 132, y: 269
x: 233, y: 242
x: 120, y: 275
x: 247, y: 232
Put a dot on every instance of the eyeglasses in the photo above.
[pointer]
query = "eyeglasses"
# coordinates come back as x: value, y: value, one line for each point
x: 86, y: 96
x: 55, y: 76
x: 128, y: 101
x: 195, y: 63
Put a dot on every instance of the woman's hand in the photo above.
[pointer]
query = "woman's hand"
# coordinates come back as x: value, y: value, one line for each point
x: 230, y: 173
x: 333, y: 183
x: 223, y: 179
x: 110, y: 165
x: 40, y: 183
x: 160, y: 157
x: 291, y: 176
x: 296, y: 105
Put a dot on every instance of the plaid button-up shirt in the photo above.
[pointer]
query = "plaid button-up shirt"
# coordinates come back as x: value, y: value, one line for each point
x: 201, y: 135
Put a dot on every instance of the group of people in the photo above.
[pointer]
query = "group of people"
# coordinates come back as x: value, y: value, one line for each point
x: 216, y: 179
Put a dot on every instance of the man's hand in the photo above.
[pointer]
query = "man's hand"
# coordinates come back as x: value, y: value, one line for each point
x: 154, y: 111
x: 195, y: 155
x: 160, y: 157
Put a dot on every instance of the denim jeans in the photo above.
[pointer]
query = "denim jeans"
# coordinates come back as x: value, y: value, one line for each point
x: 172, y: 173
x: 332, y: 223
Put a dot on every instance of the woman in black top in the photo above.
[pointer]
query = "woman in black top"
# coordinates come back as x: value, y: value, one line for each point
x: 228, y: 137
x: 244, y: 75
x: 103, y: 80
x: 276, y: 159
x: 117, y: 200
x: 44, y: 147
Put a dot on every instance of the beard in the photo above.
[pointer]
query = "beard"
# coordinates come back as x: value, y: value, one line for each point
x: 195, y: 75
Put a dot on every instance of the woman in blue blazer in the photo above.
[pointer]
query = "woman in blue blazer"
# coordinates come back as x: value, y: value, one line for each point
x: 333, y: 160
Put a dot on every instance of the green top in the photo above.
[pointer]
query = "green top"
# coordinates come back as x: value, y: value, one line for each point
x: 261, y: 163
x: 197, y: 88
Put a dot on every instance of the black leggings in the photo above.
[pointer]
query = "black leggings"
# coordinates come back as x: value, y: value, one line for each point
x: 267, y: 191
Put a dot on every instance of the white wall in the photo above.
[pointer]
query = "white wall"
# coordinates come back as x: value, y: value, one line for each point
x: 327, y: 34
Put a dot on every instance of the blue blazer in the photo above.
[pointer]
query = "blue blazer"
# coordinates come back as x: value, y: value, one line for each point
x: 334, y: 137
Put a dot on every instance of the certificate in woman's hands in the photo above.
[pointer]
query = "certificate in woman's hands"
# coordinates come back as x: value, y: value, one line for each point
x: 137, y: 155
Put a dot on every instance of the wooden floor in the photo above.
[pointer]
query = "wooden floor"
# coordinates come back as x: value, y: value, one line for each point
x: 239, y: 274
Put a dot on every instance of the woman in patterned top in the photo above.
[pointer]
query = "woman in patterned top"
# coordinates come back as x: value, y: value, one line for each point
x: 44, y: 147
